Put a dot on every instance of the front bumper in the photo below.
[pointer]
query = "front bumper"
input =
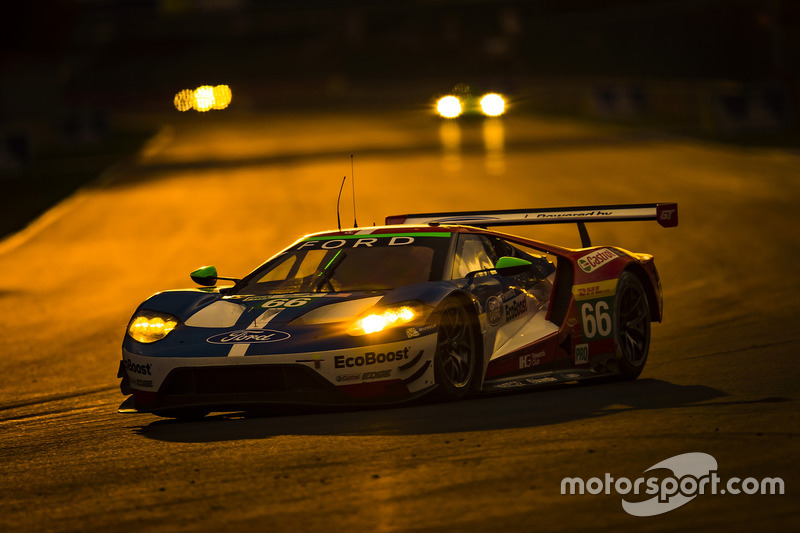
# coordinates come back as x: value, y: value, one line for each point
x: 385, y: 373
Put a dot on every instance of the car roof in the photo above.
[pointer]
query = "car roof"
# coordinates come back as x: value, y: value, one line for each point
x: 438, y: 228
x: 383, y: 230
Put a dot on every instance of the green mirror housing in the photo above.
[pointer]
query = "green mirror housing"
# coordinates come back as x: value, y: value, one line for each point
x: 510, y: 266
x: 505, y: 266
x: 205, y: 276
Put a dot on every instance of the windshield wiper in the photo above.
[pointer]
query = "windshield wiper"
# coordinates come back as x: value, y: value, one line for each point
x: 327, y: 272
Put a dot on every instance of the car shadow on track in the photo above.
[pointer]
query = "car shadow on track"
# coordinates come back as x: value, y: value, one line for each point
x: 519, y: 410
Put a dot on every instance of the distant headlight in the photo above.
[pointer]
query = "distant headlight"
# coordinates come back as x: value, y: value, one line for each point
x: 493, y: 105
x: 149, y: 326
x: 449, y: 107
x: 378, y: 320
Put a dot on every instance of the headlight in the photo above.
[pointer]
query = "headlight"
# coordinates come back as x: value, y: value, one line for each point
x: 493, y: 105
x: 149, y: 326
x: 379, y: 320
x: 449, y: 107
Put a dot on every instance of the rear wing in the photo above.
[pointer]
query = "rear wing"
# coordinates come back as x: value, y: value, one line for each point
x: 665, y: 214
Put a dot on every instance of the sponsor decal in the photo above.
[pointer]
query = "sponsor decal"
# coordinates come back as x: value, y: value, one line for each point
x: 526, y: 382
x: 147, y: 383
x: 421, y: 330
x: 540, y: 381
x: 370, y: 358
x: 284, y: 296
x: 598, y: 289
x: 530, y: 359
x: 249, y: 336
x: 494, y: 310
x: 582, y: 354
x: 592, y: 261
x: 692, y: 474
x: 359, y: 241
x: 510, y: 385
x: 347, y: 378
x: 516, y: 308
x: 143, y: 370
x: 667, y: 217
x: 377, y: 375
x: 576, y: 214
x: 303, y: 295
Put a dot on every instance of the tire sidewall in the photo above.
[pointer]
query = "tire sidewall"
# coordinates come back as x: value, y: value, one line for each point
x: 627, y: 369
x: 445, y: 390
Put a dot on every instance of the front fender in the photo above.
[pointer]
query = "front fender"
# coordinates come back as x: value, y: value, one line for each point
x: 180, y: 303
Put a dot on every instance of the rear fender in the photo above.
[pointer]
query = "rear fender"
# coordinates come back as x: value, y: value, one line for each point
x: 648, y: 276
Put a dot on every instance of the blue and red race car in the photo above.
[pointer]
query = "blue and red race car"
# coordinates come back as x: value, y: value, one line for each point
x: 434, y: 304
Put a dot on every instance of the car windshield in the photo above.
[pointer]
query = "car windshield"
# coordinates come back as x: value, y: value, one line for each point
x: 365, y: 263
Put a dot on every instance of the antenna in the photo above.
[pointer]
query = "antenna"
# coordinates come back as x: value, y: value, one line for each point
x: 339, y: 220
x: 353, y: 183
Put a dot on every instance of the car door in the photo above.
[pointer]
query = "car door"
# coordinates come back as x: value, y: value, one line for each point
x: 503, y: 300
x: 513, y: 307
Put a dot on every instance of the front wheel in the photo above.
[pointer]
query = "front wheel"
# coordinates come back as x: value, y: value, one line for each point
x: 456, y: 363
x: 632, y: 326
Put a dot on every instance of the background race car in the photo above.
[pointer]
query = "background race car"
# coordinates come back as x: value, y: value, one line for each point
x: 465, y: 101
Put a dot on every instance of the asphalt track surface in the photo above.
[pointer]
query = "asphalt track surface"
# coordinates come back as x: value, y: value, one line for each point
x: 722, y: 377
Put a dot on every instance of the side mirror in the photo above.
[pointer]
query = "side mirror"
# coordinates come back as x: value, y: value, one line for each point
x: 511, y: 266
x: 205, y: 276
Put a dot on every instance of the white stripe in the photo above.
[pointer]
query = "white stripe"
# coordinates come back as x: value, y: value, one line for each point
x: 238, y: 350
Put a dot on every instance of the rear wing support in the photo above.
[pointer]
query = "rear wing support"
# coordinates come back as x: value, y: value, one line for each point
x: 666, y: 214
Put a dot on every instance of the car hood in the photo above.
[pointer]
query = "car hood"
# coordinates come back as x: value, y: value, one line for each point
x: 210, y: 322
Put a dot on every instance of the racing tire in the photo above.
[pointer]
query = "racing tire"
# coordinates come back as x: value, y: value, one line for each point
x: 456, y: 362
x: 631, y: 326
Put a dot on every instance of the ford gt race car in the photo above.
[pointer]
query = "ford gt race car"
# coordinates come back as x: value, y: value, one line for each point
x: 433, y: 303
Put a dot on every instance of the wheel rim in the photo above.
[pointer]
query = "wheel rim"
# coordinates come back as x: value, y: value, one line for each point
x: 634, y: 326
x: 456, y: 346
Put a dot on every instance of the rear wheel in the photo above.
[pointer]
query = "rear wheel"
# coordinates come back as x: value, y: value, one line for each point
x: 632, y: 326
x: 456, y: 363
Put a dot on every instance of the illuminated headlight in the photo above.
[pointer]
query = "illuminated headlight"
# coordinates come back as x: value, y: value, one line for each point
x: 449, y: 107
x: 379, y: 320
x: 493, y: 105
x: 148, y: 326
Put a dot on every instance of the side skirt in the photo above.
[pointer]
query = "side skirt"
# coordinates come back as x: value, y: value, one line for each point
x: 542, y: 379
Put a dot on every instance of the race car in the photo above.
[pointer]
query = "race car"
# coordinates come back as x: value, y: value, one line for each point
x: 435, y: 304
x: 463, y: 101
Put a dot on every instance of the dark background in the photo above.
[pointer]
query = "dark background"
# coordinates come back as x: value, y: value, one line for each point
x: 74, y: 72
x: 123, y: 55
